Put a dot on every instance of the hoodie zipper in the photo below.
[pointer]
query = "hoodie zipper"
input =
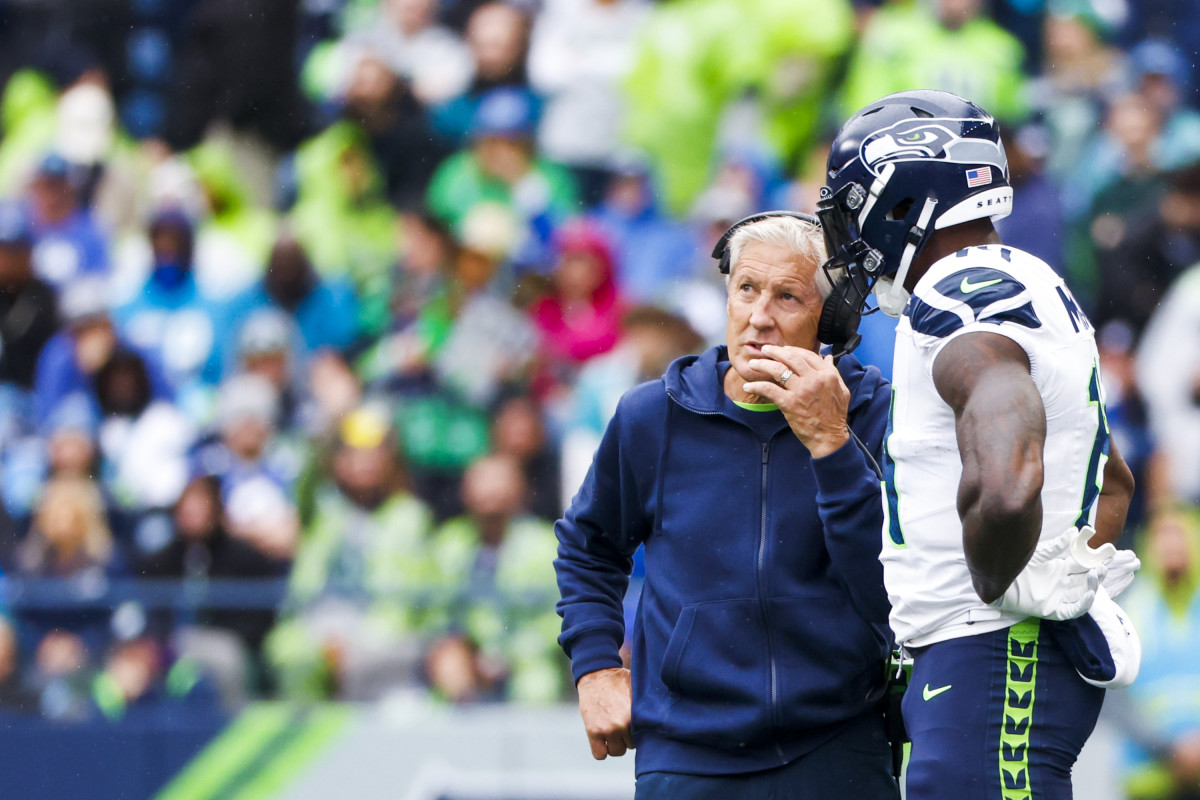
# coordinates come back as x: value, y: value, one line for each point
x: 760, y: 580
x: 759, y: 577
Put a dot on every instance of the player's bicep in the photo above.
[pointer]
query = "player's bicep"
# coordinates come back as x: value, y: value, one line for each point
x: 1000, y: 424
x: 1000, y: 421
x: 978, y: 357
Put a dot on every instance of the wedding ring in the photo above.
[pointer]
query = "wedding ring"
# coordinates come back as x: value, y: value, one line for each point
x: 787, y: 373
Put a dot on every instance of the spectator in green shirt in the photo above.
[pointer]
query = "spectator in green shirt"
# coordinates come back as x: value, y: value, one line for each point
x: 354, y: 612
x: 495, y: 562
x: 501, y: 166
x: 950, y: 45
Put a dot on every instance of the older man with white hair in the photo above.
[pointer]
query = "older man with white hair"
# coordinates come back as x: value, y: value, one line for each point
x: 759, y: 645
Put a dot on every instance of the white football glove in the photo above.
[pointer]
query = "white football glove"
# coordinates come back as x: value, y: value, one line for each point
x: 1054, y: 585
x: 1122, y: 564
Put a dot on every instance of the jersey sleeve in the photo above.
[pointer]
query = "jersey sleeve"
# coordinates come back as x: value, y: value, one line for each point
x: 976, y: 295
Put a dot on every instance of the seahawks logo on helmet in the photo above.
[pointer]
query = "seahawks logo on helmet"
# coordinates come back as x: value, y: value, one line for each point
x: 930, y: 140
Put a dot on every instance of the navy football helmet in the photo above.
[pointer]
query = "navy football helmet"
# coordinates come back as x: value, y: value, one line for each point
x: 899, y: 169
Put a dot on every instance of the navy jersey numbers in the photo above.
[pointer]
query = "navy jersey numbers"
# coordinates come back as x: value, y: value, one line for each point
x: 974, y: 294
x: 1100, y: 450
x: 1079, y: 320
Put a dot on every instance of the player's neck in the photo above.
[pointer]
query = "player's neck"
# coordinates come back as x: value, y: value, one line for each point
x: 947, y: 241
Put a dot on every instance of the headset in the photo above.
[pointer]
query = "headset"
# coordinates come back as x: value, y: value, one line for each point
x: 840, y: 314
x: 838, y: 326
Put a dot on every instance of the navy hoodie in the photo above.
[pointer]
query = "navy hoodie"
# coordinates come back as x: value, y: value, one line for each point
x: 762, y: 626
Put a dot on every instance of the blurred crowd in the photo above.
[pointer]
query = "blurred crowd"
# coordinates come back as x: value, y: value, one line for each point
x: 341, y: 294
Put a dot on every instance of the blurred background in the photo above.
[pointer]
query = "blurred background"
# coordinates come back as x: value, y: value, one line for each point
x: 312, y: 313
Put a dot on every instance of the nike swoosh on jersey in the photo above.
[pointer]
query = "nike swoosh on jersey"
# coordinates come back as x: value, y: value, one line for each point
x: 967, y: 287
x: 929, y: 694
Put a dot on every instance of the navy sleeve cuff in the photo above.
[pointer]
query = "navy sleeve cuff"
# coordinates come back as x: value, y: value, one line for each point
x: 594, y: 650
x: 840, y: 470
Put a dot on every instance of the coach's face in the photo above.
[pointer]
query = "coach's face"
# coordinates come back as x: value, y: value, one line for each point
x: 773, y: 299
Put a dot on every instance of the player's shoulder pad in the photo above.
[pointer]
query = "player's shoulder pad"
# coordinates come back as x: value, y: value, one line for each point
x: 973, y: 285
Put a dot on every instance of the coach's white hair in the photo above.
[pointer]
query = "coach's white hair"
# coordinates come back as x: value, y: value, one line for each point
x: 801, y: 238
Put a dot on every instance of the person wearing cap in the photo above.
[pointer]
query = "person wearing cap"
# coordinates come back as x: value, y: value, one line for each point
x: 256, y: 469
x: 502, y: 166
x: 270, y: 345
x: 497, y: 36
x: 760, y: 641
x: 28, y: 307
x: 171, y: 317
x: 1146, y: 132
x: 655, y: 253
x: 68, y: 243
x: 1036, y: 223
x: 1162, y: 75
x: 354, y: 596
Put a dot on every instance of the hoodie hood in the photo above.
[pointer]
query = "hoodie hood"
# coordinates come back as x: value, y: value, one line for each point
x: 566, y: 332
x: 690, y: 381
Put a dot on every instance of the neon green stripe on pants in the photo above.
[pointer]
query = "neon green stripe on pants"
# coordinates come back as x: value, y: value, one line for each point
x: 1019, y: 697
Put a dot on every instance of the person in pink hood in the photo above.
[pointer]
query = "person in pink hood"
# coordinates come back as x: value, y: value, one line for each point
x: 581, y: 315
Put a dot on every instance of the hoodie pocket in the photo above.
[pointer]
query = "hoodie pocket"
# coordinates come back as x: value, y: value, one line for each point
x: 715, y: 668
x: 829, y: 659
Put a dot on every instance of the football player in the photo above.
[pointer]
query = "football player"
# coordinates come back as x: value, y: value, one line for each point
x: 1003, y: 492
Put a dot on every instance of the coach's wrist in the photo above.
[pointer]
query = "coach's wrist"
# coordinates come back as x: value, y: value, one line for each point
x: 596, y: 650
x: 825, y: 444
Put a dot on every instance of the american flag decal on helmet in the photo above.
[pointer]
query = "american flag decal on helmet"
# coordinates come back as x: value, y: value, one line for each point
x: 980, y: 176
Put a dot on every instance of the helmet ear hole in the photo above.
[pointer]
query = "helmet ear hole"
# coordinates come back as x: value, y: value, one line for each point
x: 900, y: 210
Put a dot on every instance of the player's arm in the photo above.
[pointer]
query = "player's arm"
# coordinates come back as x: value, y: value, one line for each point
x: 1113, y: 502
x: 1001, y: 428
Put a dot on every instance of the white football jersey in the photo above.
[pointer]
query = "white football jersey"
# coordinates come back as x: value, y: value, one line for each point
x: 1001, y: 290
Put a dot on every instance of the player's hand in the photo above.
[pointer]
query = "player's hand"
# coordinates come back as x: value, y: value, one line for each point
x: 813, y: 399
x: 606, y: 704
x: 1053, y: 584
x: 1121, y: 571
x: 1121, y: 564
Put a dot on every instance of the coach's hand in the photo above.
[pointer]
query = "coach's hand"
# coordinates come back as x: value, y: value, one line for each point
x: 809, y: 391
x: 606, y: 704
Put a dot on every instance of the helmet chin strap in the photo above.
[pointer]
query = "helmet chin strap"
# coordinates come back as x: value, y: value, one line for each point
x: 874, y: 191
x: 890, y: 292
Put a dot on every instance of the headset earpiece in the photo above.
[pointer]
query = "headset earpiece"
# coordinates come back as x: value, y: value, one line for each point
x: 840, y: 314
